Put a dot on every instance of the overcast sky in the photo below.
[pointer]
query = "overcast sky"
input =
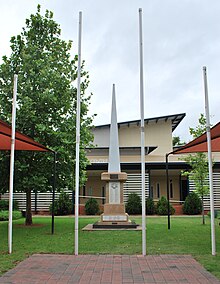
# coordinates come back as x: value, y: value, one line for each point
x: 180, y: 37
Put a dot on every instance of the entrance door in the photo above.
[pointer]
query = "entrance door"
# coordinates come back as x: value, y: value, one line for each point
x: 184, y: 189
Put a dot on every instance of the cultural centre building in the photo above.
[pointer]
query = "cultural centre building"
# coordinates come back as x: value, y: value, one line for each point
x: 158, y: 143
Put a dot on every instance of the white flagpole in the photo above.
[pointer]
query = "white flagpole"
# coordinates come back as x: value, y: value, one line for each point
x: 78, y: 139
x: 11, y: 181
x: 142, y: 137
x: 210, y: 161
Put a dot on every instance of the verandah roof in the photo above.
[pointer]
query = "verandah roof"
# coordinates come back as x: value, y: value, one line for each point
x: 200, y: 144
x: 22, y: 142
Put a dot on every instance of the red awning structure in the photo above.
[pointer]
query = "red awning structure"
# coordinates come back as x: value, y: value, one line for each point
x: 200, y: 144
x: 22, y: 142
x: 25, y: 143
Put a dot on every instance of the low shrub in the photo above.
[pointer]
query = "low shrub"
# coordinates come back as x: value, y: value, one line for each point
x: 192, y: 205
x: 92, y: 207
x: 150, y: 207
x: 133, y: 205
x: 4, y: 204
x: 63, y: 205
x: 5, y: 213
x: 162, y: 207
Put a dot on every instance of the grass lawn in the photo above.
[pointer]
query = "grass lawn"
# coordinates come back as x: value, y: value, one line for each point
x: 187, y: 236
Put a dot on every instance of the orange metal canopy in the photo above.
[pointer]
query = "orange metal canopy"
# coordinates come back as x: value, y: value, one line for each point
x: 200, y: 144
x: 22, y: 142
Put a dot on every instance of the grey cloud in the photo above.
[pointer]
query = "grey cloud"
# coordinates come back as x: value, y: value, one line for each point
x: 179, y: 38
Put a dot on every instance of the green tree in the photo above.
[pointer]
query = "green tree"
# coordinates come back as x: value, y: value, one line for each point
x: 62, y: 205
x: 199, y: 165
x: 46, y: 106
x: 177, y: 141
x: 200, y: 128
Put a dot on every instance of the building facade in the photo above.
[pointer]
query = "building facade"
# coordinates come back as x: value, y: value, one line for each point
x: 158, y: 142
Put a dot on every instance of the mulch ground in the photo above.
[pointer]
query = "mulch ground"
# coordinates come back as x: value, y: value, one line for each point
x: 50, y: 268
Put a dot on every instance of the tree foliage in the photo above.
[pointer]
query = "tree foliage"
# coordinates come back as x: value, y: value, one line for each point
x: 63, y: 205
x: 162, y: 207
x: 199, y: 164
x: 4, y: 204
x: 200, y: 128
x: 4, y: 215
x: 177, y: 141
x: 46, y: 105
x: 133, y: 205
x: 198, y: 172
x: 150, y: 207
x: 92, y: 207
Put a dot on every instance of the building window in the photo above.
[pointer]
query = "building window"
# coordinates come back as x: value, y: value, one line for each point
x: 171, y: 188
x: 90, y: 191
x: 103, y: 195
x: 152, y: 191
x: 84, y: 191
x: 158, y: 190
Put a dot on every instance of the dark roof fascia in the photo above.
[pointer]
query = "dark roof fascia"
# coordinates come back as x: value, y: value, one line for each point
x: 137, y: 166
x: 148, y: 149
x: 149, y: 166
x: 175, y: 118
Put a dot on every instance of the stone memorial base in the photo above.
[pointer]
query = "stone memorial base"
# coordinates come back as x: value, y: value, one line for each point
x: 115, y: 221
x: 114, y: 209
x: 115, y: 225
x: 114, y: 216
x: 94, y: 227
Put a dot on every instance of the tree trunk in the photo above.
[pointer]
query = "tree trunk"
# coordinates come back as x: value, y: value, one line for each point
x: 203, y: 214
x: 28, y: 220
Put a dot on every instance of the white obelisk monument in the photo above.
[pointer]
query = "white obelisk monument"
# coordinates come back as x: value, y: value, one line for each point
x: 114, y: 208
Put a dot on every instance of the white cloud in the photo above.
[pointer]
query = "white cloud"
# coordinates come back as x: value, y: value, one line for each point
x: 179, y: 38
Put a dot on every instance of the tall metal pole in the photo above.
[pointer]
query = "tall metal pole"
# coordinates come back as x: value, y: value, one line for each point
x: 142, y: 137
x: 210, y: 161
x: 11, y: 181
x: 78, y: 139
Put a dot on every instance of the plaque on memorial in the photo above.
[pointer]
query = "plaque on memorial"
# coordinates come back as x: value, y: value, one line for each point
x: 113, y: 176
x: 114, y: 192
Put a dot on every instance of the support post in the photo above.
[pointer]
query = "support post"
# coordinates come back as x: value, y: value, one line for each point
x: 168, y: 192
x: 78, y: 139
x: 210, y: 162
x: 11, y: 181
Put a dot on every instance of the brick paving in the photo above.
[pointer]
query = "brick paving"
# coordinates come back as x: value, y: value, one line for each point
x: 106, y: 269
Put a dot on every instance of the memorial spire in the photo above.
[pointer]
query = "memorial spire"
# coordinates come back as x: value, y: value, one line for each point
x: 114, y: 156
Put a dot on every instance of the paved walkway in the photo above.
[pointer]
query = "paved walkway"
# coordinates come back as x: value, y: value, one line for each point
x: 46, y: 268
